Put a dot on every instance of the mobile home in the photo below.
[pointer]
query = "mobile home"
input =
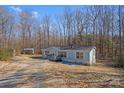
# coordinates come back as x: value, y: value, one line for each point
x: 80, y: 55
x: 77, y: 55
x: 50, y: 53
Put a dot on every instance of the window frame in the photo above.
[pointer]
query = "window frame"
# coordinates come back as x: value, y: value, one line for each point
x: 80, y: 55
x: 62, y: 54
x: 46, y: 52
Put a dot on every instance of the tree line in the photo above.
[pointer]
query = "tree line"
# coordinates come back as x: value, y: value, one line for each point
x: 100, y: 26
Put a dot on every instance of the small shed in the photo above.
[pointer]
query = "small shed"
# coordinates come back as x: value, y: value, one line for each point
x: 28, y: 51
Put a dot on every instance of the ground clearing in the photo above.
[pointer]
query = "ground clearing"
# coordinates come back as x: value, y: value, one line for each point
x: 32, y: 71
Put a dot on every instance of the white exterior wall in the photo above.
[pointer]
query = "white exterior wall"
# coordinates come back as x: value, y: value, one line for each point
x: 92, y: 57
x: 71, y: 57
x: 29, y: 49
x: 43, y: 53
x: 52, y: 50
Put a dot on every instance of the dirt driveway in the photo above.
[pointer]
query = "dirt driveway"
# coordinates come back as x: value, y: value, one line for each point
x: 34, y: 72
x: 22, y: 71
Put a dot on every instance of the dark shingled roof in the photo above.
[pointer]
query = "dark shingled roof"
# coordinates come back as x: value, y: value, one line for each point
x: 74, y: 48
x: 78, y: 48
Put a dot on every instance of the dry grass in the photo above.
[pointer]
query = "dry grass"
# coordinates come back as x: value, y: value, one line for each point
x: 57, y: 74
x: 99, y: 68
x: 63, y: 75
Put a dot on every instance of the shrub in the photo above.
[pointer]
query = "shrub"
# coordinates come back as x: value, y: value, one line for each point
x: 5, y: 54
x: 119, y: 61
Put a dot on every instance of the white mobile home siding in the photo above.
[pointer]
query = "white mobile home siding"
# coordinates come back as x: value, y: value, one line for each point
x: 92, y: 57
x: 43, y: 53
x: 52, y: 50
x: 71, y: 57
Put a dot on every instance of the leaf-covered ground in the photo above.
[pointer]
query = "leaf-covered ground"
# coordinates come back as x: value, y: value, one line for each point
x: 66, y: 75
x: 27, y: 71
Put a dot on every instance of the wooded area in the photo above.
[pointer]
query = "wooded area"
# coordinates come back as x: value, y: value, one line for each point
x: 100, y: 26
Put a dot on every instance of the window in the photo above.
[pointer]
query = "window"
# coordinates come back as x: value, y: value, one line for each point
x: 46, y: 52
x: 62, y: 54
x: 79, y: 55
